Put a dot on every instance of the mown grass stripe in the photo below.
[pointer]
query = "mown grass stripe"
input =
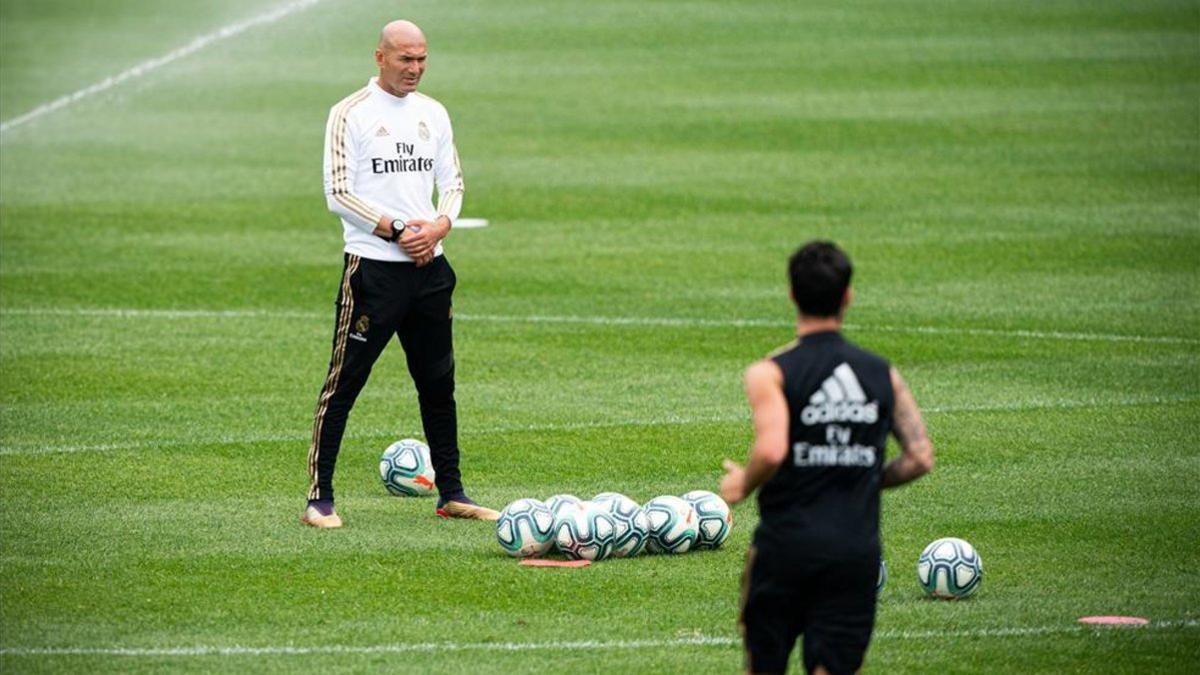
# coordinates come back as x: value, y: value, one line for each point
x: 636, y: 321
x: 583, y: 426
x: 562, y: 645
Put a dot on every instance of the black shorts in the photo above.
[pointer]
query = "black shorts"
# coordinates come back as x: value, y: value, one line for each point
x: 830, y: 603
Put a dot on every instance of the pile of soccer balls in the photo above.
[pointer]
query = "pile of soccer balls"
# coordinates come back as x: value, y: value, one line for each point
x: 613, y: 525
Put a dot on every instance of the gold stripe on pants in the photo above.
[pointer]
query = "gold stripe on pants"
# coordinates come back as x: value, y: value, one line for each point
x: 341, y: 332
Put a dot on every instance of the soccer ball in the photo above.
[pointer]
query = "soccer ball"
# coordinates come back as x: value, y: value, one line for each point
x: 882, y: 580
x: 715, y: 518
x: 525, y: 528
x: 672, y: 523
x: 629, y: 522
x: 584, y: 531
x: 406, y: 469
x: 558, y: 501
x: 949, y: 569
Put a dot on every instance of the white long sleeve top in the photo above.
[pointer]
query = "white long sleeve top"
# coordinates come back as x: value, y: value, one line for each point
x: 384, y: 155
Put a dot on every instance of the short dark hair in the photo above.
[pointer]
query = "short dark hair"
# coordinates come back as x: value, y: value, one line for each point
x: 820, y: 273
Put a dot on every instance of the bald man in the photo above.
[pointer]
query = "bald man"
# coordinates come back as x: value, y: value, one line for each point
x: 387, y: 148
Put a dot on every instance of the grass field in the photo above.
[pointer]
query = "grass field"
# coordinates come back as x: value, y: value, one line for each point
x: 1017, y: 182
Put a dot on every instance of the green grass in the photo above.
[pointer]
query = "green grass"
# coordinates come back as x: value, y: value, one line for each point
x: 1017, y: 182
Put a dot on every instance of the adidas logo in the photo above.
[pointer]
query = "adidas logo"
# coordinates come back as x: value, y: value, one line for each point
x: 840, y: 399
x: 382, y: 132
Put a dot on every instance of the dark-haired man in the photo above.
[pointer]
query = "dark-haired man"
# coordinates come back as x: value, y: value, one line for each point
x: 822, y: 411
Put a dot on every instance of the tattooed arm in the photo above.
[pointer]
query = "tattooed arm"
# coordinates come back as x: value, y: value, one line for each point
x: 916, y: 450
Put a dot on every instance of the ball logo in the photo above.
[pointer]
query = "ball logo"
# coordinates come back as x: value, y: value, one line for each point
x: 840, y: 399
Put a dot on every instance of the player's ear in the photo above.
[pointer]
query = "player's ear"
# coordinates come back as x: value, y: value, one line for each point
x: 379, y: 57
x: 847, y: 297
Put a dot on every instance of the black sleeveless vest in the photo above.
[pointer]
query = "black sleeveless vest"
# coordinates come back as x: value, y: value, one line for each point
x: 823, y: 502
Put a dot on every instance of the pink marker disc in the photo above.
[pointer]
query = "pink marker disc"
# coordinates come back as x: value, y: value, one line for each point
x: 1114, y: 620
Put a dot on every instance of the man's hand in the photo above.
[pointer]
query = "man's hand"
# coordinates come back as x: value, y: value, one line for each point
x: 421, y: 237
x: 733, y: 483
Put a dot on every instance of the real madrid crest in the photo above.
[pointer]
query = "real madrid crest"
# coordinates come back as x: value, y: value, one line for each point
x: 422, y: 130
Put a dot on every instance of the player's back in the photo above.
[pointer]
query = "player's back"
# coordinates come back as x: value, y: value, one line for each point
x: 823, y: 502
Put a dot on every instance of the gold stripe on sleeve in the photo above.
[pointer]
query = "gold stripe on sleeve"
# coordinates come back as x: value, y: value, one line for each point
x: 336, y: 146
x: 448, y: 202
x: 340, y: 191
x: 458, y: 175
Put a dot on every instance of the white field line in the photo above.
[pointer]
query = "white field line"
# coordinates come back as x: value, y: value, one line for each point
x: 144, y: 67
x: 672, y: 420
x: 556, y: 645
x: 667, y: 322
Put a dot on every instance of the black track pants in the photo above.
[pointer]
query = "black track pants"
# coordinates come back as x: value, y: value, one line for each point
x: 378, y: 300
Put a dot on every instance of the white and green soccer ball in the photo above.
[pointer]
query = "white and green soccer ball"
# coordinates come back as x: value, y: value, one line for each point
x: 672, y: 523
x: 629, y: 523
x: 406, y: 469
x: 558, y: 501
x: 715, y: 520
x: 949, y: 569
x: 525, y: 529
x: 584, y: 531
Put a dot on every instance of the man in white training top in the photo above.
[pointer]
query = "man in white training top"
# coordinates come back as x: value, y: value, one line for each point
x: 386, y: 148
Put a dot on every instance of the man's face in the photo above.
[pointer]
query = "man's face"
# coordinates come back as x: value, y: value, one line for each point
x: 401, y: 67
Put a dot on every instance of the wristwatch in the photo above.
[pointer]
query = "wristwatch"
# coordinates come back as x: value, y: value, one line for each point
x: 397, y: 229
